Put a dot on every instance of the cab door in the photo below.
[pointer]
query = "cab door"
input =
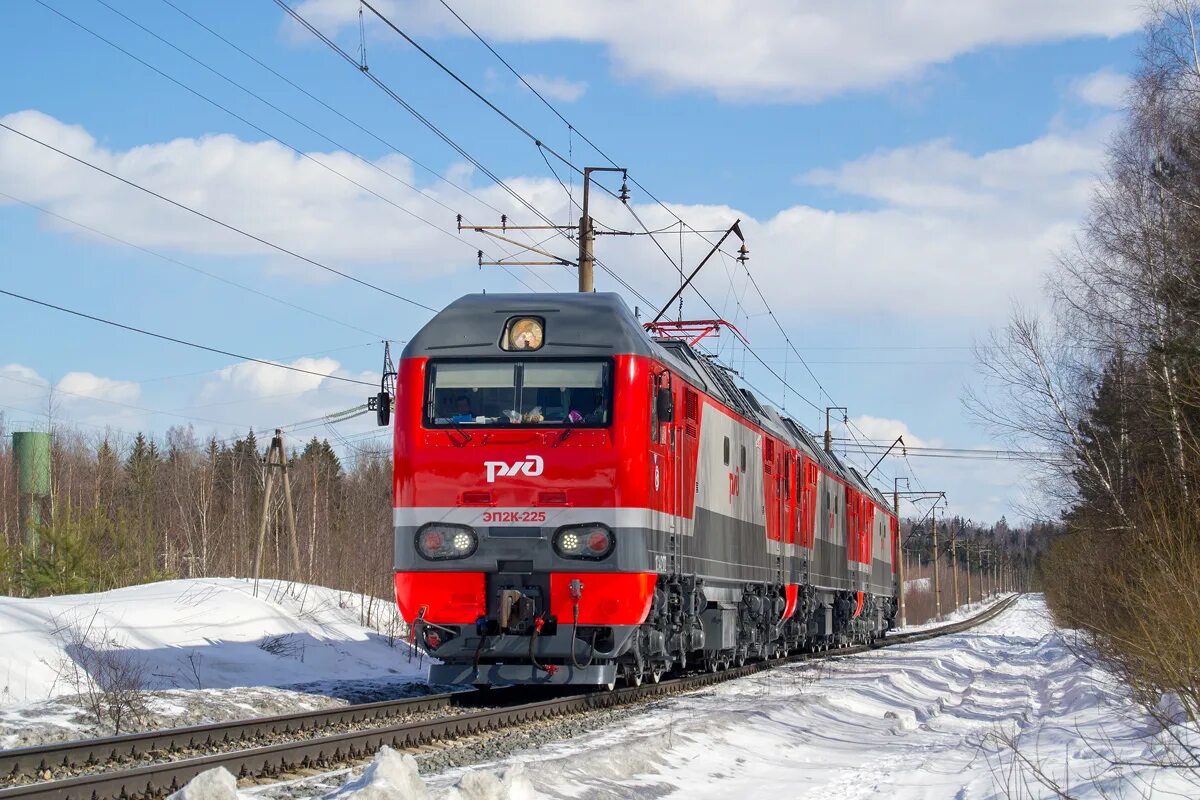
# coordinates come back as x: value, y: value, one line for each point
x: 664, y: 448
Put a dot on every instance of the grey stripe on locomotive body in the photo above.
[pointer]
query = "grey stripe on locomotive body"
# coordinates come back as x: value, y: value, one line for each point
x: 726, y: 539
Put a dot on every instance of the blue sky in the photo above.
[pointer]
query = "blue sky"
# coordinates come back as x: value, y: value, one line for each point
x: 904, y: 173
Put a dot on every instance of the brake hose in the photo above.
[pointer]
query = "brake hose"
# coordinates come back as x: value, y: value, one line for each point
x: 549, y: 669
x: 574, y: 631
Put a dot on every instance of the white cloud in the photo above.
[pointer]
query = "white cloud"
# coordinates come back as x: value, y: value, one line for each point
x: 959, y: 232
x: 1104, y: 88
x: 227, y: 402
x: 19, y: 373
x: 254, y: 380
x: 884, y: 431
x: 86, y: 386
x: 261, y: 187
x: 964, y: 232
x: 263, y: 393
x: 1056, y: 171
x: 562, y: 89
x: 78, y: 396
x: 773, y: 49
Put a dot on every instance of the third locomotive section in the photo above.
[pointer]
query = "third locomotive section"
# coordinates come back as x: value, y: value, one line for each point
x: 576, y: 501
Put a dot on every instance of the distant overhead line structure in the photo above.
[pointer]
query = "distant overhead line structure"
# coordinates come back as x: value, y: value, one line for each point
x: 985, y: 454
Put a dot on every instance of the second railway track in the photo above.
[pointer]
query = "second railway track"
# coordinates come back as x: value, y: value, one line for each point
x: 156, y: 763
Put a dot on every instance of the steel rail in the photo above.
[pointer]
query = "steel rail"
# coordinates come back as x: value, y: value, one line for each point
x: 157, y: 779
x: 32, y: 760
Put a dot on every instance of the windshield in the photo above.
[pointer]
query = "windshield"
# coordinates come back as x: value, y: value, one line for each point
x: 528, y: 393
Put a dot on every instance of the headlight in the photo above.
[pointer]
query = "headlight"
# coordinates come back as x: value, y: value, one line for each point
x: 592, y: 542
x: 438, y: 541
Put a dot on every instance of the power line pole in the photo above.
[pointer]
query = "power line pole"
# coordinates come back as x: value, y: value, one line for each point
x: 968, y: 548
x: 587, y: 260
x: 587, y: 235
x: 899, y: 548
x: 828, y: 431
x: 276, y: 460
x: 585, y: 232
x: 954, y: 558
x: 902, y: 553
x: 937, y: 584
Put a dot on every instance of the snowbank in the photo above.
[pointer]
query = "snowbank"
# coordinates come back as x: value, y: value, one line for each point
x: 934, y: 719
x: 203, y: 634
x: 390, y: 776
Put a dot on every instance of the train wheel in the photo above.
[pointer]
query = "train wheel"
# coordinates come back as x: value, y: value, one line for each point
x: 631, y: 674
x: 656, y: 673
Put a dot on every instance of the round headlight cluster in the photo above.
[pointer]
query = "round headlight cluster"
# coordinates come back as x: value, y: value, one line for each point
x: 591, y: 542
x: 439, y: 542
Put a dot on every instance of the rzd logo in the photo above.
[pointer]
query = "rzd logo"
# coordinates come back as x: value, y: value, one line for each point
x: 531, y: 466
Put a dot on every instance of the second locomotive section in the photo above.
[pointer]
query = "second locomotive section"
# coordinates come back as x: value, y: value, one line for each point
x: 576, y: 501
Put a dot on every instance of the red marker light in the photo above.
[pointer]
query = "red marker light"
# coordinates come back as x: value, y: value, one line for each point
x: 597, y: 542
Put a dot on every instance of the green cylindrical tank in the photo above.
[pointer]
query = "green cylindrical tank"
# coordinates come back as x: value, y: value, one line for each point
x: 31, y: 451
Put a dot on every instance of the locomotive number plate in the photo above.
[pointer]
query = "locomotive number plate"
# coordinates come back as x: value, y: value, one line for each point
x: 514, y: 516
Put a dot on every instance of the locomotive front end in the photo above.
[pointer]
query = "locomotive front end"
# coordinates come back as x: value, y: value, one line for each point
x: 520, y: 552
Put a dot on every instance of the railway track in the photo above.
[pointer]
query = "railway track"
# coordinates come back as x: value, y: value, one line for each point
x: 157, y: 763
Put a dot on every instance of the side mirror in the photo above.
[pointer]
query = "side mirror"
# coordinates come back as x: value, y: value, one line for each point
x: 383, y: 409
x: 665, y: 405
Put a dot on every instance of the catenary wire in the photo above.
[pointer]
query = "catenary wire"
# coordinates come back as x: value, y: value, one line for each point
x: 541, y: 145
x: 386, y: 143
x: 216, y: 221
x: 336, y: 48
x: 294, y: 14
x: 185, y: 265
x: 175, y: 340
x: 260, y: 129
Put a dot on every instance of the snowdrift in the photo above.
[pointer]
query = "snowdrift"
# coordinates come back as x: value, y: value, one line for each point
x: 204, y: 634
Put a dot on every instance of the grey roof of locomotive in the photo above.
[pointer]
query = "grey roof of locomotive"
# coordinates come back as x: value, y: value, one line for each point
x: 598, y: 323
x: 601, y: 324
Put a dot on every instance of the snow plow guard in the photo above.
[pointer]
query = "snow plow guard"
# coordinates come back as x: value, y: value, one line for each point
x: 522, y: 675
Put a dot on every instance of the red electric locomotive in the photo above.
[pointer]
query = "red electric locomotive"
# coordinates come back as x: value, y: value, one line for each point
x: 578, y: 500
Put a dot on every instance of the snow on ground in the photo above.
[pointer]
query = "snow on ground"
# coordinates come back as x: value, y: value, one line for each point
x: 210, y: 648
x: 927, y: 720
x: 918, y: 585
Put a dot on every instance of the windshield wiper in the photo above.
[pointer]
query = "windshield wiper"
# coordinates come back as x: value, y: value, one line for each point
x: 461, y: 432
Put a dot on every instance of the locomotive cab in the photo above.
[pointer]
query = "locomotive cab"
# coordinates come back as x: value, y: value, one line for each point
x: 514, y: 558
